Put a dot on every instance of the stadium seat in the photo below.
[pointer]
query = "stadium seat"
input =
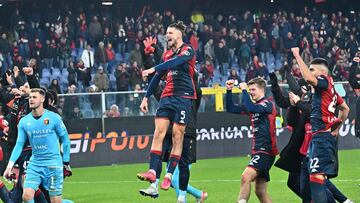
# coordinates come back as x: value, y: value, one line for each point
x: 56, y: 73
x: 44, y: 82
x: 46, y: 73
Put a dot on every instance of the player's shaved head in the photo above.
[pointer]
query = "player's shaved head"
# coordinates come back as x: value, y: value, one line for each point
x: 319, y: 66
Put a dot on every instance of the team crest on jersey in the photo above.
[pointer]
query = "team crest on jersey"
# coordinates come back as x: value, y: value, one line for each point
x: 186, y: 53
x: 46, y: 121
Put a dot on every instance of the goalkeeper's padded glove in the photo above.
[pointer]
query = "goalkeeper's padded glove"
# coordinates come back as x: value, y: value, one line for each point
x: 148, y: 42
x: 67, y: 170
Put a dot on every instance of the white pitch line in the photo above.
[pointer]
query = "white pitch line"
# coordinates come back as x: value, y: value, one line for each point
x: 192, y: 181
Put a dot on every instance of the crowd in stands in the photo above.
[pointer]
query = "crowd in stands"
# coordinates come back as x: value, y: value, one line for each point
x: 88, y: 49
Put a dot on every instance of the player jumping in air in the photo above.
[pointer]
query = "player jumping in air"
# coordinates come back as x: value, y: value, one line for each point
x: 44, y: 129
x: 325, y: 125
x: 175, y: 102
x: 264, y: 149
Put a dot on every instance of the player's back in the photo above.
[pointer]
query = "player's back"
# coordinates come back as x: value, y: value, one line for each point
x: 42, y: 133
x: 323, y: 105
x: 179, y: 81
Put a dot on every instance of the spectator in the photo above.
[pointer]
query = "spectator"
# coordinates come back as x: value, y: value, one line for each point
x: 48, y: 54
x: 244, y: 54
x: 207, y: 73
x: 107, y: 38
x: 5, y: 50
x: 64, y: 52
x: 209, y: 50
x: 55, y: 86
x: 222, y: 56
x: 135, y: 75
x: 121, y: 39
x: 307, y: 56
x: 101, y: 80
x: 315, y: 50
x: 76, y: 114
x: 70, y: 102
x: 72, y: 73
x: 83, y: 79
x: 264, y: 48
x: 122, y: 78
x: 100, y: 55
x: 135, y: 55
x: 113, y: 112
x: 95, y: 30
x: 110, y: 54
x: 234, y: 75
x: 88, y: 57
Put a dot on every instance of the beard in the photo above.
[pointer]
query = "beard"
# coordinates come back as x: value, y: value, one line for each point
x: 171, y: 44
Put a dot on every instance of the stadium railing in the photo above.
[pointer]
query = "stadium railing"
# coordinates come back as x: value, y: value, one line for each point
x: 95, y: 105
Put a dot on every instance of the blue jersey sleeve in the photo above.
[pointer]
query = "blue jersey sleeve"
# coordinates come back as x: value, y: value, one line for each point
x: 265, y: 107
x: 183, y: 57
x: 154, y: 83
x: 64, y: 139
x: 231, y: 107
x: 322, y: 83
x: 20, y: 141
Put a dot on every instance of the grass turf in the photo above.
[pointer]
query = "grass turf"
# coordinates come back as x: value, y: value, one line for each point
x: 219, y: 177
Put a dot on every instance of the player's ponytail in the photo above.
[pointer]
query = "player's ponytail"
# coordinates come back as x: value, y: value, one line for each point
x: 179, y: 25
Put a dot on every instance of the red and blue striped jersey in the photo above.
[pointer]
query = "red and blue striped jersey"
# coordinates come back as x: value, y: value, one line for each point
x: 263, y: 116
x: 324, y: 102
x: 180, y: 70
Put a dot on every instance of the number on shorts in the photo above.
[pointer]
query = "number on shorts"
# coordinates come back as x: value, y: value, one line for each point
x: 314, y: 164
x: 254, y: 159
x: 52, y: 184
x: 182, y: 117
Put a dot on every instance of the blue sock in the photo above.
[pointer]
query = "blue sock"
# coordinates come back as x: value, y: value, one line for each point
x: 155, y: 159
x: 194, y: 191
x: 173, y: 163
x: 31, y: 201
x: 175, y: 181
x: 318, y: 190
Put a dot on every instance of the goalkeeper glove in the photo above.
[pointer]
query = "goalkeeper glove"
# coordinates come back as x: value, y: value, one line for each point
x: 67, y: 170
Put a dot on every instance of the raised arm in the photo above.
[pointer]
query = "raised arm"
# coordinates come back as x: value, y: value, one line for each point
x: 305, y: 72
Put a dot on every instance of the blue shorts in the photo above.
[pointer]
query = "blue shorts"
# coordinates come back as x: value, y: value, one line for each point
x: 176, y: 109
x: 51, y: 177
x: 262, y: 163
x: 323, y: 155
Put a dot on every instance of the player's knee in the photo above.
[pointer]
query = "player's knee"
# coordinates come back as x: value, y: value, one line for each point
x: 178, y: 138
x: 245, y: 179
x: 28, y: 195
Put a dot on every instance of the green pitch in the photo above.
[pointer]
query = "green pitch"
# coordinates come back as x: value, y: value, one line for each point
x: 219, y: 177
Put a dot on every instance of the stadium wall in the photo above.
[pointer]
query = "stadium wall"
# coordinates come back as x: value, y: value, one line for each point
x: 128, y: 140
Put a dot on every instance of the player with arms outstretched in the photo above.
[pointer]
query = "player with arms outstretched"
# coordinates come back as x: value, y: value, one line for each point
x: 44, y: 129
x: 175, y: 102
